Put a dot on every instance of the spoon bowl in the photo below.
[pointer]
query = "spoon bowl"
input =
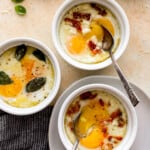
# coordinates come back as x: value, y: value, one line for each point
x: 77, y: 132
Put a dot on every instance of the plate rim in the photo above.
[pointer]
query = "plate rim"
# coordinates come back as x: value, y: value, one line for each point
x: 81, y: 80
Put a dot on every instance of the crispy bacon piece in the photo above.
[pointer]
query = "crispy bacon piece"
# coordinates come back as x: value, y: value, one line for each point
x: 79, y: 15
x: 119, y: 138
x: 101, y: 11
x: 92, y: 47
x: 101, y: 102
x: 74, y: 108
x: 75, y: 23
x: 121, y: 122
x: 116, y: 114
x: 87, y: 95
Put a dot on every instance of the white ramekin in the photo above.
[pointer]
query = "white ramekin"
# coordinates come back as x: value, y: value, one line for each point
x: 57, y: 75
x: 116, y: 10
x: 131, y: 113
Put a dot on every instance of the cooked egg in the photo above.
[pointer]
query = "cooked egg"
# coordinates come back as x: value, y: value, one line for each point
x: 103, y: 118
x: 21, y: 72
x: 94, y: 139
x: 75, y: 42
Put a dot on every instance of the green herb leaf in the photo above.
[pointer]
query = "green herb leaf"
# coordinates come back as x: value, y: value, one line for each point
x: 20, y: 52
x: 20, y: 10
x: 17, y: 1
x: 35, y: 84
x: 4, y: 78
x: 37, y: 53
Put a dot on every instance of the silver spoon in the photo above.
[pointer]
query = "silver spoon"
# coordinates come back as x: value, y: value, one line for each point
x: 77, y: 132
x: 107, y: 45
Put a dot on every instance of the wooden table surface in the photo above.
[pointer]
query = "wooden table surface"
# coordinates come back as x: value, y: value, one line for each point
x: 135, y: 62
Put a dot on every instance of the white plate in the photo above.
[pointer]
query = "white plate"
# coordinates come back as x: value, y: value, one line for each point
x: 142, y: 141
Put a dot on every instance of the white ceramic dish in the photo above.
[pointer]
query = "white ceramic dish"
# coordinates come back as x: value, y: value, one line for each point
x: 142, y: 110
x: 57, y: 75
x: 116, y: 10
x: 132, y: 119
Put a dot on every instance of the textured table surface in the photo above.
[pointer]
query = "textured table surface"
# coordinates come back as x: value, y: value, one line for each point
x: 135, y: 62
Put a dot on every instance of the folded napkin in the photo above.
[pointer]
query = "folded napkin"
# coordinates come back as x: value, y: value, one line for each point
x: 25, y: 132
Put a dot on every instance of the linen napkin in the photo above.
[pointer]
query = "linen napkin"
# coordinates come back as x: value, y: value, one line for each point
x: 25, y: 132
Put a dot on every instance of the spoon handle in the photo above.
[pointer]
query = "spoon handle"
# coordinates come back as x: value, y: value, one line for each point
x: 75, y: 146
x: 133, y: 97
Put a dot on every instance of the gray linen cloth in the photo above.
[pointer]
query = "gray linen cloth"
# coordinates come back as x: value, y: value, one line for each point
x: 25, y: 132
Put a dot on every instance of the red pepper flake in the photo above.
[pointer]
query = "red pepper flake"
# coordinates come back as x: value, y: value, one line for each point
x: 116, y: 114
x: 79, y: 15
x: 101, y: 102
x: 101, y: 11
x: 75, y: 23
x: 87, y: 95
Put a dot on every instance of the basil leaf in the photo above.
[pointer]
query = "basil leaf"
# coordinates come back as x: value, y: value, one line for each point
x: 17, y: 1
x: 37, y: 53
x: 35, y: 84
x: 20, y: 52
x: 4, y: 78
x: 20, y: 10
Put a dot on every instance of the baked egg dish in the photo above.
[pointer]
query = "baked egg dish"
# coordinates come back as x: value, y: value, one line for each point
x: 26, y: 76
x: 81, y: 32
x: 103, y: 119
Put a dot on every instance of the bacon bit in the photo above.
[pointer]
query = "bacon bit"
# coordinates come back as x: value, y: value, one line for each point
x: 116, y: 114
x: 75, y: 23
x: 101, y: 11
x: 73, y: 108
x: 110, y: 146
x: 104, y: 130
x: 121, y: 122
x: 79, y: 15
x: 87, y: 95
x: 91, y: 45
x: 119, y: 138
x: 101, y: 102
x: 70, y: 124
x: 110, y: 138
x: 109, y: 104
x: 96, y: 51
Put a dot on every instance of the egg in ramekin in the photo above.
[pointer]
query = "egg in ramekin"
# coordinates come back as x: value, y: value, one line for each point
x: 29, y: 76
x: 78, y: 32
x: 81, y: 33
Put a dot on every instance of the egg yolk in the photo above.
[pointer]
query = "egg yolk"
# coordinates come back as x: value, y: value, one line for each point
x: 22, y: 102
x: 76, y: 44
x: 27, y: 65
x: 13, y: 89
x: 96, y: 30
x: 92, y: 115
x: 94, y: 139
x: 107, y: 24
